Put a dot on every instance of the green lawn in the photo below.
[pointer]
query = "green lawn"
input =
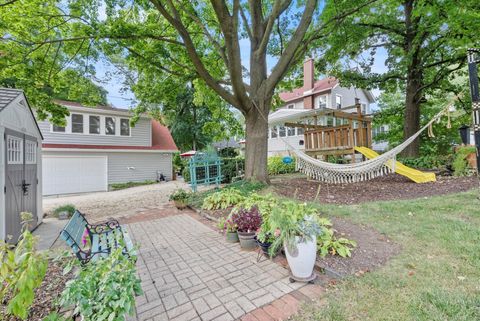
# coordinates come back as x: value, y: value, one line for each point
x: 435, y: 277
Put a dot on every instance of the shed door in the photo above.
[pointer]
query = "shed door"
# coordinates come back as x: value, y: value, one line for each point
x: 21, y: 181
x: 74, y: 174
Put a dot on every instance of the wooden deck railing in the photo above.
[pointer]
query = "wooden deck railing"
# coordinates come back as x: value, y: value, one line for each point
x: 337, y: 138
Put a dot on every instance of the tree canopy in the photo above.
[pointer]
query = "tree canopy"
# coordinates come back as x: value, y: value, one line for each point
x: 425, y: 44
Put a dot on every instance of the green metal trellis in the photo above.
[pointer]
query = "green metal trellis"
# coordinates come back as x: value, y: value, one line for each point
x: 205, y: 169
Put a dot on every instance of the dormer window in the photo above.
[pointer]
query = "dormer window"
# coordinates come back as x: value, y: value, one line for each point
x: 94, y: 125
x: 338, y: 101
x: 322, y: 102
x: 109, y: 126
x: 125, y: 127
x: 77, y: 123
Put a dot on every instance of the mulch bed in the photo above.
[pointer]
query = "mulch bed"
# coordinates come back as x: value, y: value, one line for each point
x: 45, y: 296
x: 373, y: 250
x: 390, y: 187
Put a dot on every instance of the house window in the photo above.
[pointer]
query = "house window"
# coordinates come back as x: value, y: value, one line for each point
x: 281, y: 131
x: 364, y: 108
x: 30, y: 152
x: 300, y: 131
x: 291, y: 106
x: 14, y: 150
x: 291, y: 131
x: 94, y: 124
x: 77, y: 123
x: 338, y: 101
x: 125, y: 127
x: 322, y: 102
x: 329, y: 121
x: 109, y: 126
x: 273, y: 132
x: 58, y: 129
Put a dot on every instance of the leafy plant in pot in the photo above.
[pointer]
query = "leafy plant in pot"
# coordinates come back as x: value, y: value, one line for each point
x: 247, y: 220
x: 296, y: 228
x: 229, y: 228
x: 179, y: 198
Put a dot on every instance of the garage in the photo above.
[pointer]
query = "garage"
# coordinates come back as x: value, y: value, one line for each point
x: 74, y: 174
x: 20, y: 164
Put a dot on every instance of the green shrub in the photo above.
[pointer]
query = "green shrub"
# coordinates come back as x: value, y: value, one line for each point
x: 426, y: 161
x: 119, y: 186
x: 460, y: 163
x: 222, y: 199
x: 186, y: 174
x: 179, y: 195
x: 232, y: 167
x: 277, y: 166
x: 22, y: 270
x: 69, y: 208
x: 104, y: 289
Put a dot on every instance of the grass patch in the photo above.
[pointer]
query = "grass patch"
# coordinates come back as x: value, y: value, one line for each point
x: 119, y: 186
x: 243, y: 187
x: 69, y: 208
x: 435, y: 277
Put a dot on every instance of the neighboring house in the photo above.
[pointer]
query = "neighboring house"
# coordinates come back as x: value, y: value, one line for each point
x: 379, y: 145
x: 97, y: 147
x: 314, y: 95
x: 20, y: 164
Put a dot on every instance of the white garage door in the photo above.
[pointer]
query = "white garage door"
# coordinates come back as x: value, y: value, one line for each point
x: 76, y: 174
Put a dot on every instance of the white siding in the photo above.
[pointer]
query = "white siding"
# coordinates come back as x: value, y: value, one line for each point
x: 348, y: 97
x: 143, y: 166
x: 141, y: 135
x: 128, y: 166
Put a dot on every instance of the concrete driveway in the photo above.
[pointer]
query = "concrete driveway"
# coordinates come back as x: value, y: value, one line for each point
x: 100, y: 205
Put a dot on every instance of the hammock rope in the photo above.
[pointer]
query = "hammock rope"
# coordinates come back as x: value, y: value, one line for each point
x: 356, y: 172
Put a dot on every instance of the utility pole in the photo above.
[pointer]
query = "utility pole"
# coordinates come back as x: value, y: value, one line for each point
x: 473, y: 60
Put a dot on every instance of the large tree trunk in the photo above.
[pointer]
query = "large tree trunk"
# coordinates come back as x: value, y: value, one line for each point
x: 411, y: 118
x: 413, y: 95
x: 256, y: 146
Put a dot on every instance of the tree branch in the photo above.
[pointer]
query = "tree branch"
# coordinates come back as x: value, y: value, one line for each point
x: 278, y: 8
x: 192, y: 53
x: 286, y: 59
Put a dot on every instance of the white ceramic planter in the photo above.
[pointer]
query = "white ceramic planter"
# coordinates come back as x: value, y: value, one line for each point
x: 302, y: 261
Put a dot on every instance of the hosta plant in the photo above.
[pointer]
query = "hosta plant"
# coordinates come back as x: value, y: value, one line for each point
x: 328, y: 243
x: 22, y: 270
x: 104, y: 289
x: 222, y: 199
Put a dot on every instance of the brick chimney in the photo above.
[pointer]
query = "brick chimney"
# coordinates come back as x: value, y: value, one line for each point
x: 308, y: 81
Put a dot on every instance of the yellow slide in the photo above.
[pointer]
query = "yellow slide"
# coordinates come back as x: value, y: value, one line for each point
x: 415, y: 175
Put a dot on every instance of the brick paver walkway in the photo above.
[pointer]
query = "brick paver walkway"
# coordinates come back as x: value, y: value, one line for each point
x: 189, y: 272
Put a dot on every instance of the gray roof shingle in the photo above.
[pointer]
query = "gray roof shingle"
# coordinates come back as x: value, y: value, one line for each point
x: 7, y: 95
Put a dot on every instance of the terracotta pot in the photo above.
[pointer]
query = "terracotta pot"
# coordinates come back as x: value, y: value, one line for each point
x: 247, y: 240
x: 472, y: 160
x: 231, y: 237
x: 180, y: 204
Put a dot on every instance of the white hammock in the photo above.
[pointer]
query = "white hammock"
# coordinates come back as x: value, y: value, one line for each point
x: 357, y: 172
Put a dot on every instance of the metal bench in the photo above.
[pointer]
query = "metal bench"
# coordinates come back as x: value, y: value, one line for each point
x: 103, y: 238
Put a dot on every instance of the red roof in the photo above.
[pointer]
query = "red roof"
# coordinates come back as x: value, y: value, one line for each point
x: 319, y: 86
x: 161, y: 137
x: 161, y: 140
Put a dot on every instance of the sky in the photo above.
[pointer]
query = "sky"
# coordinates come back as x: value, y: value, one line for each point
x: 113, y: 82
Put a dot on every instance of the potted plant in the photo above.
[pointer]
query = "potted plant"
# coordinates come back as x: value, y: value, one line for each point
x: 179, y: 198
x: 296, y: 229
x: 264, y: 240
x: 230, y: 229
x: 247, y: 220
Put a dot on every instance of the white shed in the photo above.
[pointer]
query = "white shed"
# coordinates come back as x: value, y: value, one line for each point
x: 20, y: 164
